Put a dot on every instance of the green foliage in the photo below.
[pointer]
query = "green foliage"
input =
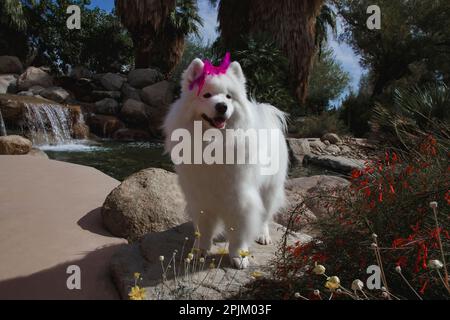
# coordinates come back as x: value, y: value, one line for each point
x: 356, y: 112
x: 414, y: 113
x: 185, y: 20
x: 328, y: 81
x: 317, y: 126
x: 412, y: 44
x: 101, y: 44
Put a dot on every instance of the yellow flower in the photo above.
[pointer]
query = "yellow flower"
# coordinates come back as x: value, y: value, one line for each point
x: 319, y: 269
x: 137, y: 293
x: 256, y: 274
x: 333, y: 283
x: 197, y: 234
x: 137, y: 275
x: 244, y: 253
x: 222, y: 251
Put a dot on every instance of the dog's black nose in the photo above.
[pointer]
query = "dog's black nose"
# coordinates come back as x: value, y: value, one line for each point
x: 221, y: 108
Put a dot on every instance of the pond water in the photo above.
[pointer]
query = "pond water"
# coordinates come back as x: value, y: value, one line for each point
x: 119, y: 160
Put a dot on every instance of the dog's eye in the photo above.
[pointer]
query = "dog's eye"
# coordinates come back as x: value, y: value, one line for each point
x: 228, y: 96
x: 207, y: 95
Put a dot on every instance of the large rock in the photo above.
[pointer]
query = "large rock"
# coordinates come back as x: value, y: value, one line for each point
x: 8, y: 83
x: 56, y: 94
x: 140, y: 78
x: 34, y: 77
x: 128, y: 92
x: 112, y: 81
x: 34, y: 152
x: 107, y: 106
x: 332, y: 138
x: 49, y: 221
x: 298, y: 148
x: 99, y: 95
x: 303, y: 197
x: 14, y: 145
x: 159, y: 95
x: 80, y: 72
x: 338, y: 164
x: 205, y: 281
x: 105, y: 126
x: 135, y: 112
x: 148, y: 201
x: 10, y: 64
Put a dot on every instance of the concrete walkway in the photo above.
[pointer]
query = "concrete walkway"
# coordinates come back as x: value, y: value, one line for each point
x: 49, y: 220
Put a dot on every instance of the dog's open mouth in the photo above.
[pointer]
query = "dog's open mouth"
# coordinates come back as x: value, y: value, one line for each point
x: 217, y: 122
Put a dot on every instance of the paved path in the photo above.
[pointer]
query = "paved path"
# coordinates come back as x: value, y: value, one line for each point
x: 49, y: 220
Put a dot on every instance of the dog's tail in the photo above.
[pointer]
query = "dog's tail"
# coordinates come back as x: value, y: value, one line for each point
x: 274, y: 116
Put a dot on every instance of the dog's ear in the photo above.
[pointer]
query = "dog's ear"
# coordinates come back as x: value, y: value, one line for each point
x: 193, y: 71
x: 236, y: 70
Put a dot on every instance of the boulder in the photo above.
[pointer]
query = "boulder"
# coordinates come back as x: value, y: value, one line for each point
x: 302, y: 197
x: 334, y: 149
x: 207, y: 282
x: 332, y: 138
x: 56, y: 94
x: 134, y: 112
x: 140, y: 78
x: 80, y: 72
x: 128, y: 135
x: 128, y: 92
x: 105, y: 126
x: 112, y: 81
x: 148, y: 201
x: 8, y: 83
x: 34, y: 77
x: 159, y: 95
x: 298, y: 148
x: 107, y: 106
x: 36, y: 90
x: 99, y: 95
x: 10, y: 64
x: 14, y: 145
x: 317, y: 145
x: 335, y: 163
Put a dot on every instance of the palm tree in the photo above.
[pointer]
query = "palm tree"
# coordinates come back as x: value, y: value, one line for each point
x: 291, y: 22
x: 144, y: 19
x: 182, y: 21
x: 12, y: 15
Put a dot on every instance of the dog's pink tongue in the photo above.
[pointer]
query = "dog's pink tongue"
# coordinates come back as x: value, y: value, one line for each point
x: 219, y: 123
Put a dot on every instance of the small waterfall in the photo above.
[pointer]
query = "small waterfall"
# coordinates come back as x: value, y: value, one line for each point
x: 48, y: 124
x: 2, y: 126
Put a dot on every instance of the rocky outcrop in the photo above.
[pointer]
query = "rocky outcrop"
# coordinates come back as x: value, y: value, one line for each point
x: 56, y: 94
x: 335, y: 163
x: 112, y: 81
x: 107, y: 106
x: 14, y: 145
x: 10, y: 64
x: 298, y: 148
x: 141, y: 78
x: 34, y: 77
x: 8, y: 83
x: 148, y: 201
x: 159, y: 95
x: 205, y: 281
x: 332, y: 138
x: 135, y: 112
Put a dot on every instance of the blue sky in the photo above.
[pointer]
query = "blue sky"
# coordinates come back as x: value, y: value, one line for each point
x: 344, y: 54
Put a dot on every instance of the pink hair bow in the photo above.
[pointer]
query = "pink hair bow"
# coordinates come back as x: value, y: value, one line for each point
x: 210, y: 70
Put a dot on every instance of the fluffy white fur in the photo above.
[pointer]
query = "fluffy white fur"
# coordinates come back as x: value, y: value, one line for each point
x: 236, y: 199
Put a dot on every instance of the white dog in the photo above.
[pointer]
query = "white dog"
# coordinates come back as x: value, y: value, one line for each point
x: 236, y: 198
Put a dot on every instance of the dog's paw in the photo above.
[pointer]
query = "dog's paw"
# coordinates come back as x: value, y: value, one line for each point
x: 264, y: 239
x: 240, y: 263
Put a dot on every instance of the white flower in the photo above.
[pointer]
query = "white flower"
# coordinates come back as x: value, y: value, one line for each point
x: 297, y: 295
x: 357, y: 285
x: 202, y: 260
x: 374, y: 237
x: 161, y: 258
x: 433, y: 205
x: 317, y: 293
x: 398, y: 269
x: 435, y: 264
